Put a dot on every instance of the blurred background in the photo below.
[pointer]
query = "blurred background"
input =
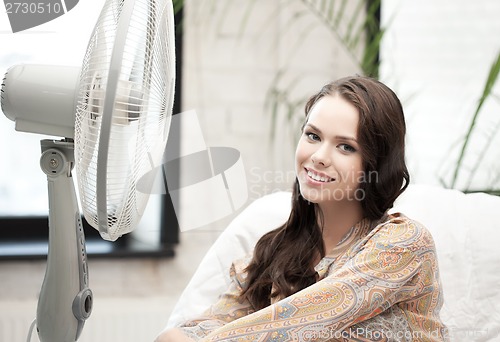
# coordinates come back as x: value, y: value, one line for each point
x: 247, y: 67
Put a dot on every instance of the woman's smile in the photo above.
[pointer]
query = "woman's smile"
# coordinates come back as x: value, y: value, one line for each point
x: 318, y: 177
x: 328, y: 158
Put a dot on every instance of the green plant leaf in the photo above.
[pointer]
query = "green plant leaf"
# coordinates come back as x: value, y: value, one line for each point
x: 490, y: 83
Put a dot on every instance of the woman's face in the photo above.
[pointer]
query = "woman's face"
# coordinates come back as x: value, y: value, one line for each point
x: 328, y: 160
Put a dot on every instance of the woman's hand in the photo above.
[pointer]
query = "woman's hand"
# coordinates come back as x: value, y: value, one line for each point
x: 173, y: 335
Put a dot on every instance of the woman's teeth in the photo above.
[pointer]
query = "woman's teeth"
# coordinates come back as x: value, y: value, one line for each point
x: 318, y: 177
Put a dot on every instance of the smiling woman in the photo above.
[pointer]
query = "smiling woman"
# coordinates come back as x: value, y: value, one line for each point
x: 340, y: 267
x: 328, y: 157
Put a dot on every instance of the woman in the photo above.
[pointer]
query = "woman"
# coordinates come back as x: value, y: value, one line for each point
x: 341, y: 268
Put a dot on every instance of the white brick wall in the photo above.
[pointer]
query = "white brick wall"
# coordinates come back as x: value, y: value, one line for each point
x: 229, y: 67
x: 436, y: 55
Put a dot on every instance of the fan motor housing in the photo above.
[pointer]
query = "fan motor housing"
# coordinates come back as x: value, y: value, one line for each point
x: 41, y: 98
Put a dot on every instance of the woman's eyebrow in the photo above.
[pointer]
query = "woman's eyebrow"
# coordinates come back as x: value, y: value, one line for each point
x: 342, y: 137
x: 313, y: 127
x: 338, y: 137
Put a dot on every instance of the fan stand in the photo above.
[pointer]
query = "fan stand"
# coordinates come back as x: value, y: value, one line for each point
x: 65, y: 300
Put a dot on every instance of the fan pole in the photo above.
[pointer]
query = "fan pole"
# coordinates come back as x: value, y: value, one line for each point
x: 65, y: 300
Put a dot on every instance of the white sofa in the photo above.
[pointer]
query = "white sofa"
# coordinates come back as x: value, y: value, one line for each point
x: 466, y: 230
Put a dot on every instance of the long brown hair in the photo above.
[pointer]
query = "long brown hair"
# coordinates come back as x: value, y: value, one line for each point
x: 282, y: 262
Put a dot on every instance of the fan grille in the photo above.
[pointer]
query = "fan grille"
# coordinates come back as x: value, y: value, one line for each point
x: 123, y: 111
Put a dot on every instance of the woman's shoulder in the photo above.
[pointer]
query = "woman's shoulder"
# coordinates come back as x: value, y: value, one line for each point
x: 399, y: 230
x: 238, y: 270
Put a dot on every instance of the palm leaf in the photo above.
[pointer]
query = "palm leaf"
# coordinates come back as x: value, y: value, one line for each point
x: 490, y: 82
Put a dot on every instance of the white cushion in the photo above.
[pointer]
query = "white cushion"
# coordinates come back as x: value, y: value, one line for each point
x: 466, y: 230
x: 212, y: 275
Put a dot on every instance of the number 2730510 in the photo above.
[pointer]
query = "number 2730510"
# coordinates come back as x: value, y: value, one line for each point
x: 33, y: 7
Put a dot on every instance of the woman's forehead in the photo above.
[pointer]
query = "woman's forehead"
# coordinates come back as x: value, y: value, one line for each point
x: 334, y: 115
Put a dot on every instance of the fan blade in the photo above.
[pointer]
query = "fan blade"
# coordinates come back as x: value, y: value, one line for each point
x: 124, y: 110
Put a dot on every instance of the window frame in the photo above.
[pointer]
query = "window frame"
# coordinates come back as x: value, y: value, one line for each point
x: 26, y: 237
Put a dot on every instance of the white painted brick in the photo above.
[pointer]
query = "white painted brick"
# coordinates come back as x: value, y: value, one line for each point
x: 436, y: 56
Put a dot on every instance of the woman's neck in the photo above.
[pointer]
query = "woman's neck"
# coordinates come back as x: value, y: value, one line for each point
x: 338, y: 219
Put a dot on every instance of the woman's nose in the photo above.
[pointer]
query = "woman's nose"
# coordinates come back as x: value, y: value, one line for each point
x: 321, y: 156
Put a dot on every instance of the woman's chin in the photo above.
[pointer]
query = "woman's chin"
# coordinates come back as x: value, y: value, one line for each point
x: 323, y: 195
x: 315, y: 197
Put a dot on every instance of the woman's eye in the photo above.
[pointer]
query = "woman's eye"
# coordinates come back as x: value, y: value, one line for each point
x: 347, y: 148
x: 312, y: 136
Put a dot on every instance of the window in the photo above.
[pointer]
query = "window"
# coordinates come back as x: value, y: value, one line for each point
x: 23, y: 194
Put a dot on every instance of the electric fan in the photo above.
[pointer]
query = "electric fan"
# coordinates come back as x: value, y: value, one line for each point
x: 113, y: 114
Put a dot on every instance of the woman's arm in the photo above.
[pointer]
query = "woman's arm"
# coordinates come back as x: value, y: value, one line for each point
x: 173, y: 335
x: 228, y: 308
x: 395, y: 265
